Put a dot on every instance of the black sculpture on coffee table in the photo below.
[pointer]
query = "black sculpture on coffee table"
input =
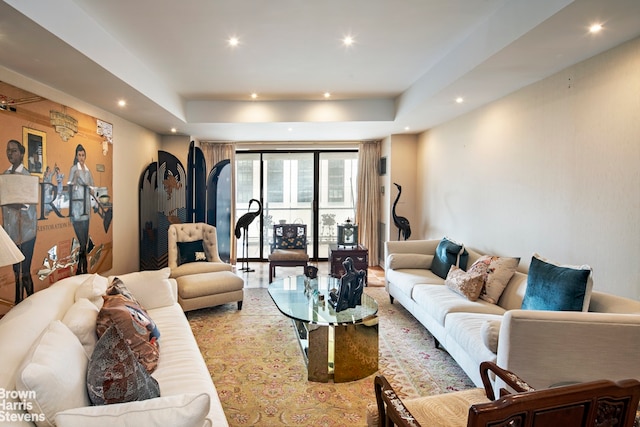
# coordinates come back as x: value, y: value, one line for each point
x: 349, y: 292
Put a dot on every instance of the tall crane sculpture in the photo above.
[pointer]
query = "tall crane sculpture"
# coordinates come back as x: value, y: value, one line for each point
x: 243, y: 224
x: 401, y: 222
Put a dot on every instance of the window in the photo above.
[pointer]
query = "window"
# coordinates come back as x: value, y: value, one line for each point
x: 305, y: 181
x: 275, y: 179
x: 244, y: 173
x: 336, y: 181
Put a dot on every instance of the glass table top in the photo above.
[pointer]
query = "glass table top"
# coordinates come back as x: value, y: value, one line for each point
x: 304, y: 301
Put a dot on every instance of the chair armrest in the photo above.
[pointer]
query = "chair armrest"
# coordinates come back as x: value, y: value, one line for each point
x: 511, y: 379
x: 390, y: 407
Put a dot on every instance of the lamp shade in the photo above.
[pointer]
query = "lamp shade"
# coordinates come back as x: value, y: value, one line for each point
x: 18, y: 189
x: 9, y: 252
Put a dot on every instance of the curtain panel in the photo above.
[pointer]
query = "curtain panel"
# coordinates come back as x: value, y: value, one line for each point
x: 368, y: 200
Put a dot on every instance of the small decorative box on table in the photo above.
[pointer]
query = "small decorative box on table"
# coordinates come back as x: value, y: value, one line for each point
x: 337, y: 255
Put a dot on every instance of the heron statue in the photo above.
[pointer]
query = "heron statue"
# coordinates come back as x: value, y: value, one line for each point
x: 401, y: 222
x: 243, y: 224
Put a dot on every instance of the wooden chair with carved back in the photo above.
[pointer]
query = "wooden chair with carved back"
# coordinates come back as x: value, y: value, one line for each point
x: 601, y: 403
x: 289, y: 247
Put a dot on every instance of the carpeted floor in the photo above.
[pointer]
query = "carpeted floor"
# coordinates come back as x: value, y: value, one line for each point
x: 257, y: 366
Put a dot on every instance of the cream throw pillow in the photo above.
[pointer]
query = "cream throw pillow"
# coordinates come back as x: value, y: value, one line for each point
x: 184, y: 410
x: 81, y: 320
x: 92, y: 289
x: 54, y: 372
x: 497, y: 272
x: 490, y: 331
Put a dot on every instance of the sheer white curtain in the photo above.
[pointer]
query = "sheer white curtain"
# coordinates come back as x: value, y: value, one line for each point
x: 215, y: 152
x: 368, y: 203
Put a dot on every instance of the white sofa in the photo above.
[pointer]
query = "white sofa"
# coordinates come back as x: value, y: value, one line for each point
x: 187, y: 393
x: 545, y: 347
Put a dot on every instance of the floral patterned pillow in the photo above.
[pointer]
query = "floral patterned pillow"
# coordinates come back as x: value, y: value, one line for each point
x: 467, y: 284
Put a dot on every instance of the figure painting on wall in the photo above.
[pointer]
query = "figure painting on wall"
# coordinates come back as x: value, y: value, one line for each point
x: 20, y: 222
x: 81, y: 183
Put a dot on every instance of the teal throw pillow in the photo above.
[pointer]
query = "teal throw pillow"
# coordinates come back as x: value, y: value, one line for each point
x: 191, y: 252
x: 448, y: 253
x: 556, y: 287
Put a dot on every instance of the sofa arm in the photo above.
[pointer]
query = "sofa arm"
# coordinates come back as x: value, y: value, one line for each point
x: 552, y: 347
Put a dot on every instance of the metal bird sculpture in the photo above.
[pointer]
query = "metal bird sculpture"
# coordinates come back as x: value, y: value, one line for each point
x: 401, y: 222
x: 243, y: 224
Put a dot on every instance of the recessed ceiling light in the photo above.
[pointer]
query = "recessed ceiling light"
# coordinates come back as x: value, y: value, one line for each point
x: 254, y: 95
x: 407, y: 128
x: 290, y: 129
x: 174, y: 130
x: 233, y: 41
x: 327, y: 95
x: 348, y: 40
x: 122, y: 103
x: 595, y: 28
x: 459, y: 100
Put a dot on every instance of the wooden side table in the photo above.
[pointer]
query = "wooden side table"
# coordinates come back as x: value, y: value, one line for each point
x: 359, y: 254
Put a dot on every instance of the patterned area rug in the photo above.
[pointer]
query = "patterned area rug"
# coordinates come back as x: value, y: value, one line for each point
x: 258, y: 369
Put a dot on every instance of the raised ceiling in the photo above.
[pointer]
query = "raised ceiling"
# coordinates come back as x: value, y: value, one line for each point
x: 411, y: 59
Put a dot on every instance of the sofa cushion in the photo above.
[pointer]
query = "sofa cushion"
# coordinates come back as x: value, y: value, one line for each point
x: 465, y: 332
x: 497, y: 272
x: 406, y: 279
x: 557, y: 287
x: 191, y: 252
x: 115, y: 375
x: 439, y: 302
x: 448, y: 253
x: 53, y: 374
x: 467, y: 284
x: 135, y: 324
x: 185, y: 410
x: 399, y: 261
x: 81, y: 320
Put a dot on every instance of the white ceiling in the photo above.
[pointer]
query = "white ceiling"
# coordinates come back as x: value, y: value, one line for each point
x: 170, y: 60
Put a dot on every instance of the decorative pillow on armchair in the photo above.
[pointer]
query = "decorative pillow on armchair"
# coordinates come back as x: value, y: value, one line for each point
x: 467, y: 284
x: 448, y: 253
x: 191, y: 252
x: 557, y: 287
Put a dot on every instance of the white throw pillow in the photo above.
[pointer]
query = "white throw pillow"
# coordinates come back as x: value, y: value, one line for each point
x: 490, y: 331
x: 81, y: 320
x: 151, y: 288
x: 92, y: 289
x: 399, y: 261
x: 184, y: 410
x: 53, y: 374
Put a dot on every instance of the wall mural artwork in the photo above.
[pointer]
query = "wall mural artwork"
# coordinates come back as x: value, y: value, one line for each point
x: 55, y: 192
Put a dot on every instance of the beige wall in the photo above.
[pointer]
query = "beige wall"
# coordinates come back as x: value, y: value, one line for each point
x: 553, y: 168
x: 133, y: 149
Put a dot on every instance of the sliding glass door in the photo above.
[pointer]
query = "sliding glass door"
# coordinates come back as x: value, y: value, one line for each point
x: 316, y: 188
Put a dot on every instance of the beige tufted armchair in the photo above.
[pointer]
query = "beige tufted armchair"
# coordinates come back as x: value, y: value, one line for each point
x: 204, y: 280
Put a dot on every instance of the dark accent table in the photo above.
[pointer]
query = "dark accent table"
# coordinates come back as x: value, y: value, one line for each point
x: 337, y: 254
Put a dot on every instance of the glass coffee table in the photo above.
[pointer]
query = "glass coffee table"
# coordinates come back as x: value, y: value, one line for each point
x: 339, y: 346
